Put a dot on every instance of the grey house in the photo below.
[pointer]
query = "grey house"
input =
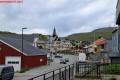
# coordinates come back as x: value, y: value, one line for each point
x: 108, y: 47
x: 115, y: 57
x: 115, y: 49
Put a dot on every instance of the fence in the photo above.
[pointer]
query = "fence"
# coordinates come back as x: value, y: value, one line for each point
x: 87, y: 70
x: 64, y: 73
x: 82, y: 70
x: 97, y: 71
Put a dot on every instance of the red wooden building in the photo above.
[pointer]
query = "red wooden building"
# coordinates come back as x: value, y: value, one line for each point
x: 11, y: 54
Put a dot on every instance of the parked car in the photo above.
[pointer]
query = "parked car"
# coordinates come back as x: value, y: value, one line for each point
x: 6, y: 72
x: 58, y: 56
x: 62, y: 61
x: 67, y: 59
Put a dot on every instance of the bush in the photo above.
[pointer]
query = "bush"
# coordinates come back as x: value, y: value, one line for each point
x: 24, y: 70
x: 111, y: 69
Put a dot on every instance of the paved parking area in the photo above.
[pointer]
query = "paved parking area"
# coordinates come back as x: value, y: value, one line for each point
x: 43, y: 69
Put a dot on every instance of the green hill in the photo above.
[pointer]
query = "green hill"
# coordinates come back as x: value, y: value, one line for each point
x: 104, y: 32
x: 6, y: 33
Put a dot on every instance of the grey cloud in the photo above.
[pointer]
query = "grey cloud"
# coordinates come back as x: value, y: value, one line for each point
x: 68, y: 16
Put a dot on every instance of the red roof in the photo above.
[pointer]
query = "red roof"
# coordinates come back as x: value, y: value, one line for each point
x: 100, y: 41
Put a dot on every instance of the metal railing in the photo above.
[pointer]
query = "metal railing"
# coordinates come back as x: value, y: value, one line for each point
x: 96, y: 70
x: 64, y: 73
x: 81, y: 70
x: 86, y: 70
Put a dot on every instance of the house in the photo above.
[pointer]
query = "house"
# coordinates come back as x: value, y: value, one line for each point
x: 100, y: 43
x: 11, y: 54
x: 115, y: 50
x: 115, y: 55
x: 108, y: 46
x: 40, y: 43
x: 116, y: 37
x: 118, y: 22
x: 62, y: 45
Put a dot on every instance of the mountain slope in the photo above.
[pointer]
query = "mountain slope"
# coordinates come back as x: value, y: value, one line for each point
x: 104, y: 32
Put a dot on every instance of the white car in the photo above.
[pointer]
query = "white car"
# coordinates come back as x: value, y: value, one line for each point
x: 62, y: 61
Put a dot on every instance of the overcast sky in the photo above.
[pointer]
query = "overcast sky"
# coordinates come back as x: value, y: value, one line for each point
x: 68, y: 16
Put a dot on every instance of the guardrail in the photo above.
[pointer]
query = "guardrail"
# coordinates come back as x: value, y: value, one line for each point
x: 64, y: 73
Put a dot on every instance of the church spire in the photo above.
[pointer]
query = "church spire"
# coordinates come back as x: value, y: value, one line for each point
x: 54, y: 33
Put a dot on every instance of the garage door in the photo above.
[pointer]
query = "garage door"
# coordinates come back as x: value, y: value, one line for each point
x: 14, y: 61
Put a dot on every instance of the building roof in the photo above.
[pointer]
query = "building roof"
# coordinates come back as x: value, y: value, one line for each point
x: 27, y: 37
x: 100, y: 41
x: 114, y: 30
x: 28, y: 48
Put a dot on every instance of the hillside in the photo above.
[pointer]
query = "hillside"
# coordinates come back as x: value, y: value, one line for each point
x: 6, y: 33
x: 104, y: 32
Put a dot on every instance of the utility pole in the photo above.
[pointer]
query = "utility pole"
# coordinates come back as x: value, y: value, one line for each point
x: 22, y: 38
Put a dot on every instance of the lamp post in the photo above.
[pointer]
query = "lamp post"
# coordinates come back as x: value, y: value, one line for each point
x: 22, y: 37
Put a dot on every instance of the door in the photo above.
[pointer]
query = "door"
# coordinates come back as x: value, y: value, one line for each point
x: 14, y: 61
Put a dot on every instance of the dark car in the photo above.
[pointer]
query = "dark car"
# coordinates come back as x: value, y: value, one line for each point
x: 58, y: 56
x: 6, y: 72
x: 67, y: 59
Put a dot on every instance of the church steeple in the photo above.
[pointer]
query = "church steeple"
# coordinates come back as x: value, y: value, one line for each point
x: 54, y: 33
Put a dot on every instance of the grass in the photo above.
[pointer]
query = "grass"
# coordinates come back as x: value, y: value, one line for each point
x: 24, y: 70
x: 111, y: 69
x: 104, y: 32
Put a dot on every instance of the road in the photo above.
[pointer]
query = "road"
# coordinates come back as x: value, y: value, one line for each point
x: 44, y: 69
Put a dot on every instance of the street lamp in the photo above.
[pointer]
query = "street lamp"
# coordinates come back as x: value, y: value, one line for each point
x: 22, y: 38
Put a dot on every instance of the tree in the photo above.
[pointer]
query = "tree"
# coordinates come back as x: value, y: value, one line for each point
x: 43, y: 37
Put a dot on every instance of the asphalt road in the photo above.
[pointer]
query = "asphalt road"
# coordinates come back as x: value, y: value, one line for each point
x: 44, y: 69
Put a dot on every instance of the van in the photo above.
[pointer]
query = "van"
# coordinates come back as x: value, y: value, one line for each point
x: 6, y: 72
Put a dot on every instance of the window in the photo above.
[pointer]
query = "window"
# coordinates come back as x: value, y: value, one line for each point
x: 13, y: 62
